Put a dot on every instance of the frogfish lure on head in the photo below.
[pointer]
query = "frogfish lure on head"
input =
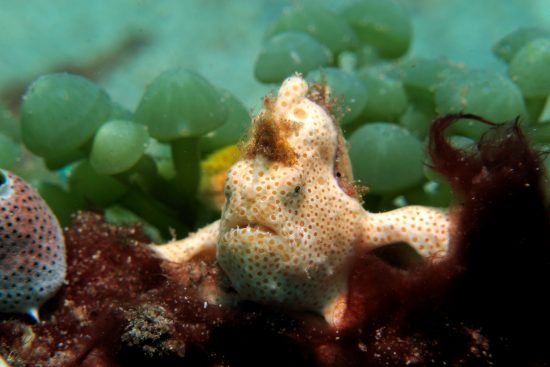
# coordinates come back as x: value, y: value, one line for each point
x: 32, y: 248
x: 292, y: 223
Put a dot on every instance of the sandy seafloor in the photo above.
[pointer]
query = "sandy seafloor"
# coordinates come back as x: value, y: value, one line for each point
x: 220, y: 38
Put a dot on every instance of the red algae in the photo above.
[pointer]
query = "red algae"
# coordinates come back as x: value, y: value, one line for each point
x: 119, y: 306
x: 105, y: 270
x: 482, y: 305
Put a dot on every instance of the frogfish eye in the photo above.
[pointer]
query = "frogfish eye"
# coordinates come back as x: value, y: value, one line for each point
x: 4, y: 184
x: 227, y: 191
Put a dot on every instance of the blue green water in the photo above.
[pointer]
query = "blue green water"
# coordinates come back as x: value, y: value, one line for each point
x: 219, y: 38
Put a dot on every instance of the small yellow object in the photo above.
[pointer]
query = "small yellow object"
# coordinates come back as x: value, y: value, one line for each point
x: 214, y: 172
x: 292, y: 222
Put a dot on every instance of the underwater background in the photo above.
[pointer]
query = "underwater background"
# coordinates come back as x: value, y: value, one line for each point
x: 125, y: 185
x: 122, y: 46
x: 218, y: 38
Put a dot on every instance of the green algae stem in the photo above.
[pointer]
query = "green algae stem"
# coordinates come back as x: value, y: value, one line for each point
x: 179, y: 107
x: 64, y: 204
x: 156, y: 213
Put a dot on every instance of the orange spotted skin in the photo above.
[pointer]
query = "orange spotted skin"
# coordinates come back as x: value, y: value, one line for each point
x: 292, y: 222
x: 32, y: 250
x: 282, y: 237
x: 425, y: 229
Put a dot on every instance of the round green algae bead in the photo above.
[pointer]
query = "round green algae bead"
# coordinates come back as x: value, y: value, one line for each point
x: 180, y: 104
x: 10, y: 152
x: 233, y: 129
x: 60, y: 112
x: 416, y: 121
x: 383, y: 24
x: 425, y: 73
x: 117, y: 146
x: 386, y: 99
x: 508, y: 46
x: 530, y: 68
x: 349, y: 92
x: 326, y: 26
x: 287, y: 53
x: 386, y: 157
x: 481, y: 92
x: 420, y: 76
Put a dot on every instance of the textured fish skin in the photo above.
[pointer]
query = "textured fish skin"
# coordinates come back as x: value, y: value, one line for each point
x: 32, y: 248
x: 293, y: 223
